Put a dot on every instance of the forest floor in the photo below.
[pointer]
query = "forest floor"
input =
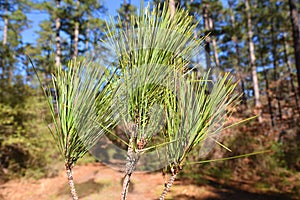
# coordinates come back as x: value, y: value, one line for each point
x: 96, y: 181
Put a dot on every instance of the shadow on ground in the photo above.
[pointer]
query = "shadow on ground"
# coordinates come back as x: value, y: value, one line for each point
x: 84, y: 189
x: 225, y: 192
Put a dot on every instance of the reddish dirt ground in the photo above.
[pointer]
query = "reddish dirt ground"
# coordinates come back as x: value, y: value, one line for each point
x: 96, y: 181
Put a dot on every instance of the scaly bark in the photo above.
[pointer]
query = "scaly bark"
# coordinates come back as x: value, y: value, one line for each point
x: 168, y: 185
x: 71, y: 181
x: 131, y: 161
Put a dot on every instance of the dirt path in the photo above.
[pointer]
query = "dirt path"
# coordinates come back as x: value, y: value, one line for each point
x: 93, y: 181
x: 96, y: 181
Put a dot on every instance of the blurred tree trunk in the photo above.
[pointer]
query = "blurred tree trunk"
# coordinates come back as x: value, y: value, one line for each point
x: 76, y: 30
x: 289, y: 66
x: 265, y: 72
x: 87, y: 34
x: 207, y: 38
x: 268, y: 97
x: 237, y: 51
x: 5, y: 28
x: 126, y: 15
x: 4, y: 41
x: 7, y: 68
x: 214, y: 42
x: 57, y: 38
x: 172, y: 7
x: 252, y: 62
x: 295, y: 28
x: 261, y: 41
x: 274, y: 55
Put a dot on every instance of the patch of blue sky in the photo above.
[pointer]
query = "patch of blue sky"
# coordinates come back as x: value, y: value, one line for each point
x: 30, y: 35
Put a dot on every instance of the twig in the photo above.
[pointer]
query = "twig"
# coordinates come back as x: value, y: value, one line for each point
x: 169, y: 184
x: 71, y: 181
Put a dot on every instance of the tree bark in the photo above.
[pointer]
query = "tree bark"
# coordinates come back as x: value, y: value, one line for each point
x: 214, y: 43
x: 289, y: 66
x: 5, y: 28
x: 265, y: 73
x: 296, y: 39
x: 4, y: 41
x: 252, y: 62
x: 131, y: 161
x: 207, y: 38
x: 274, y: 54
x: 76, y: 30
x: 71, y: 181
x: 57, y: 38
x: 168, y: 185
x: 269, y: 98
x: 237, y: 51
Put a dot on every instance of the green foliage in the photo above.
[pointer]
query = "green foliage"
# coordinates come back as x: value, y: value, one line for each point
x: 154, y: 39
x: 148, y: 52
x: 199, y: 117
x: 289, y: 153
x: 72, y: 102
x: 22, y: 134
x: 279, y: 156
x: 126, y: 11
x: 153, y: 49
x: 25, y: 146
x: 42, y: 54
x: 272, y: 171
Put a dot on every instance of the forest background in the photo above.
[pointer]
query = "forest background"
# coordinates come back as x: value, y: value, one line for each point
x: 257, y: 41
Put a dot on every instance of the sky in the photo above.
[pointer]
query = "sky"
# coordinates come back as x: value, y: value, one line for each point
x: 29, y: 35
